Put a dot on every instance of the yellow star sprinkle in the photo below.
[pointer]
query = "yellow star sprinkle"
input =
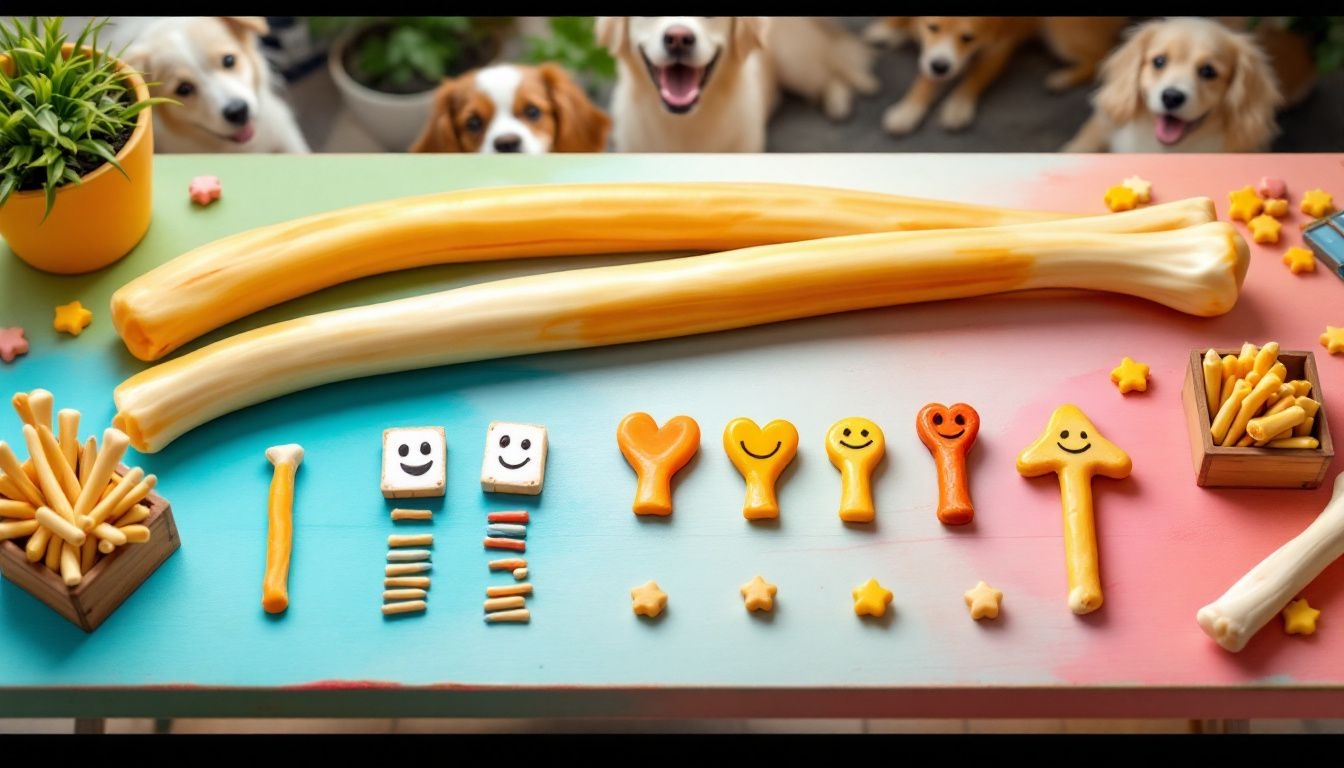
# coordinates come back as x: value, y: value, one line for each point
x: 72, y: 318
x: 1299, y: 260
x: 1299, y: 618
x: 1333, y: 340
x: 1264, y: 229
x: 984, y: 601
x: 1130, y: 376
x: 1143, y: 188
x: 648, y: 599
x: 759, y: 594
x: 1246, y: 205
x: 1120, y: 198
x: 1317, y: 203
x: 871, y: 599
x: 1276, y: 207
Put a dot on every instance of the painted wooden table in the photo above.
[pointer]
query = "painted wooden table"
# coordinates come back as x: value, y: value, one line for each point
x: 194, y: 640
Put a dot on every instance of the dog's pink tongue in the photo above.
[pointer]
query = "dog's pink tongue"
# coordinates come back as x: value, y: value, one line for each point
x: 244, y: 134
x: 1170, y: 129
x: 679, y: 84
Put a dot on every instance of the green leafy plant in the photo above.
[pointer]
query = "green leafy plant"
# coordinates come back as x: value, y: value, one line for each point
x: 1324, y: 33
x: 404, y: 54
x: 60, y: 116
x: 574, y: 46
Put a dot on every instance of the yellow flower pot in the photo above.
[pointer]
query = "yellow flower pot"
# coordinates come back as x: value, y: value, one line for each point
x: 92, y: 224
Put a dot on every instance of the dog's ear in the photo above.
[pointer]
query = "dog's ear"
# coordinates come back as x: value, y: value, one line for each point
x: 579, y: 125
x: 749, y: 33
x: 1252, y: 98
x: 440, y: 134
x: 1119, y: 98
x: 610, y: 32
x: 241, y: 26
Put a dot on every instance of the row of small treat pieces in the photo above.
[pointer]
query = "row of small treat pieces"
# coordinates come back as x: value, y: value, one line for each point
x: 505, y: 604
x: 406, y: 577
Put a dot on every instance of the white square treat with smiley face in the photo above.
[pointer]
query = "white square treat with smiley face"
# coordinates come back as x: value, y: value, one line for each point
x: 414, y: 462
x: 515, y: 458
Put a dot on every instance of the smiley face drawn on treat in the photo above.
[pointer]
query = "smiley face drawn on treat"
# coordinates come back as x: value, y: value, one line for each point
x: 404, y: 451
x: 1064, y: 434
x: 515, y: 458
x: 949, y: 434
x: 855, y: 446
x: 414, y: 462
x: 760, y: 454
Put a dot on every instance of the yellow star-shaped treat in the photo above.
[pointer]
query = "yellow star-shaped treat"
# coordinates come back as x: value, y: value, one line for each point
x: 648, y: 599
x: 1246, y: 204
x: 759, y: 594
x: 1299, y: 260
x: 1143, y: 188
x: 871, y: 599
x: 1316, y: 203
x: 1264, y: 229
x: 1333, y: 340
x: 1130, y: 376
x: 1120, y: 198
x: 984, y: 601
x: 72, y: 318
x: 1299, y: 618
x: 1276, y: 207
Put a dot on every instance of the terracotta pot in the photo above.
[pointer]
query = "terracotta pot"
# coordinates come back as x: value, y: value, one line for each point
x: 92, y: 224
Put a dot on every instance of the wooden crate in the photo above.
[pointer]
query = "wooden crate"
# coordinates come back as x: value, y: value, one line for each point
x: 1220, y: 467
x: 109, y: 582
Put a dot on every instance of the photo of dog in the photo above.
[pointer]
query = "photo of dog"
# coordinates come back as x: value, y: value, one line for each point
x: 709, y: 84
x: 514, y: 108
x: 976, y: 49
x: 211, y: 65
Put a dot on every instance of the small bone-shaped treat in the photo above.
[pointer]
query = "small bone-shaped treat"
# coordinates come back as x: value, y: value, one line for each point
x: 656, y: 454
x: 760, y: 455
x: 1257, y: 597
x: 856, y: 446
x: 1074, y: 449
x: 280, y: 526
x: 949, y: 434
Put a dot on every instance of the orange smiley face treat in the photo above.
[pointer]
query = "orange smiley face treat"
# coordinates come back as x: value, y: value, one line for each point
x: 855, y: 446
x: 760, y: 455
x: 656, y: 454
x: 949, y: 434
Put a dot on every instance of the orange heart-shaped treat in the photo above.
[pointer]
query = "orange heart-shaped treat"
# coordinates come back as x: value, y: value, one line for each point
x: 656, y: 454
x: 760, y: 455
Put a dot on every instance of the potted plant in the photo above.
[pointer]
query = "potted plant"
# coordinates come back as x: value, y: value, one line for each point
x: 76, y: 148
x: 573, y: 45
x: 387, y: 68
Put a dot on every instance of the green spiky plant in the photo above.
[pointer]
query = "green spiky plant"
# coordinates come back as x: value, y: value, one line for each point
x: 60, y: 117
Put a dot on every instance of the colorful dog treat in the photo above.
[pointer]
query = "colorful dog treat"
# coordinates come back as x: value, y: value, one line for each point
x: 855, y: 446
x: 1253, y: 600
x: 648, y: 600
x: 514, y: 544
x: 17, y: 529
x: 17, y: 510
x: 1266, y: 360
x: 508, y: 564
x: 983, y: 601
x: 509, y: 590
x: 871, y: 599
x: 505, y: 603
x: 1213, y: 377
x: 760, y: 455
x: 405, y: 569
x: 403, y: 594
x: 1270, y: 186
x: 1308, y: 443
x: 1130, y: 376
x: 1245, y: 204
x: 407, y: 606
x: 1266, y: 427
x: 1276, y: 207
x: 408, y: 555
x: 280, y: 525
x: 1120, y: 198
x: 204, y: 190
x: 68, y: 438
x: 46, y: 478
x: 1197, y: 269
x: 1299, y: 618
x: 72, y: 318
x: 1333, y: 340
x: 414, y: 462
x: 1072, y: 447
x: 115, y: 443
x: 759, y: 595
x: 656, y: 454
x: 1142, y: 188
x: 503, y: 617
x: 1264, y: 229
x: 1254, y: 400
x: 507, y: 530
x: 411, y: 540
x: 412, y: 514
x: 511, y: 516
x: 1299, y: 260
x: 519, y: 574
x: 1309, y: 407
x: 417, y: 582
x: 515, y: 458
x: 949, y: 434
x: 12, y: 344
x: 1316, y: 203
x: 60, y: 526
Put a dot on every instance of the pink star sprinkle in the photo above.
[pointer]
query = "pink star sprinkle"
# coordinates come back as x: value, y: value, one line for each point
x: 205, y: 189
x: 12, y: 344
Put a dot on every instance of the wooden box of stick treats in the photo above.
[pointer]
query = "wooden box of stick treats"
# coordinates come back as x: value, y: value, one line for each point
x: 1256, y: 418
x: 79, y: 530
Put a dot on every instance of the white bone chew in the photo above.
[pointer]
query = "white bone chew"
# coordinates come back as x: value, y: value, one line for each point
x: 1258, y: 596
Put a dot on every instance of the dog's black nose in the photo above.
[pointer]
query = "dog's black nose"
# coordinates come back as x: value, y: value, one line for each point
x: 236, y: 112
x: 940, y: 66
x: 509, y: 142
x: 1172, y: 98
x: 678, y: 40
